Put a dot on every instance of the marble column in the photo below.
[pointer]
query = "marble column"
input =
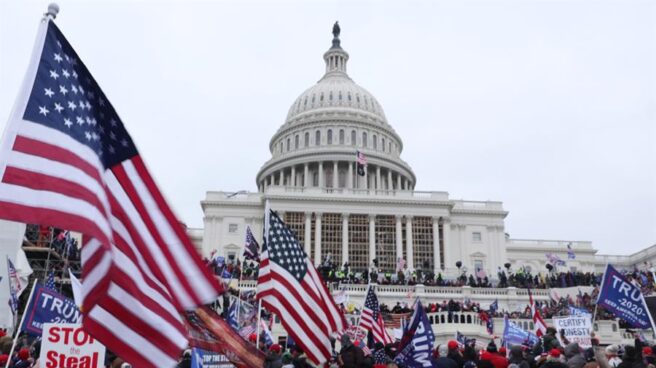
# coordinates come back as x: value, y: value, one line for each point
x: 321, y: 175
x: 446, y: 233
x: 335, y: 175
x: 378, y: 183
x: 292, y: 182
x: 365, y: 178
x: 308, y: 233
x: 398, y: 181
x: 372, y: 238
x: 408, y: 241
x: 345, y: 234
x: 317, y: 239
x: 306, y: 175
x: 282, y: 177
x: 349, y: 177
x: 389, y: 179
x: 436, y: 245
x: 399, y: 238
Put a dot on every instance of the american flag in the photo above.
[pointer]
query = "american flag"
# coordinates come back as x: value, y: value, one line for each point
x: 251, y: 249
x: 289, y: 285
x: 14, y: 286
x: 372, y: 320
x: 50, y: 281
x: 361, y: 161
x: 68, y: 161
x: 540, y: 326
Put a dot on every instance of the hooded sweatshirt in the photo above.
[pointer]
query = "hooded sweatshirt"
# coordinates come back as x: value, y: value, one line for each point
x: 575, y: 358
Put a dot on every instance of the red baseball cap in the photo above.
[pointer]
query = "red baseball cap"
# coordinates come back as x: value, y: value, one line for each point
x: 554, y: 353
x: 452, y: 345
x: 275, y: 348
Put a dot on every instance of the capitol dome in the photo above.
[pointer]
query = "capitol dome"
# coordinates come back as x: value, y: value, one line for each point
x: 325, y: 127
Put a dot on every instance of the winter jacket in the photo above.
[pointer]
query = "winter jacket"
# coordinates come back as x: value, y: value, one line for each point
x: 444, y: 362
x: 517, y: 357
x: 273, y: 360
x: 575, y: 358
x: 352, y: 357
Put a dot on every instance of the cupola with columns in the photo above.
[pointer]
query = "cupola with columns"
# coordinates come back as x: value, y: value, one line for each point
x: 325, y: 127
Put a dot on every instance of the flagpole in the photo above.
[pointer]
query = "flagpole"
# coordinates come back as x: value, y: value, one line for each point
x: 265, y: 236
x: 17, y: 328
x: 257, y: 330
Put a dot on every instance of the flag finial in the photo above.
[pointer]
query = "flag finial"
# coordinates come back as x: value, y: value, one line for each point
x: 53, y: 10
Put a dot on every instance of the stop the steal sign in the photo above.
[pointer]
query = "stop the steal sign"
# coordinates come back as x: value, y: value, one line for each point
x: 70, y: 346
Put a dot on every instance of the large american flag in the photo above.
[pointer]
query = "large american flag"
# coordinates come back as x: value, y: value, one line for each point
x: 372, y: 320
x: 289, y: 285
x: 68, y: 161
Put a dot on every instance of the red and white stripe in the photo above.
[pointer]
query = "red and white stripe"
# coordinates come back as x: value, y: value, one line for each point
x: 306, y: 309
x: 538, y: 322
x: 139, y: 266
x: 376, y: 327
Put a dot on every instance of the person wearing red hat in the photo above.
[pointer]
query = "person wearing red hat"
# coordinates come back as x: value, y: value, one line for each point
x: 3, y: 360
x: 554, y: 360
x: 273, y: 358
x: 454, y: 353
x: 24, y: 359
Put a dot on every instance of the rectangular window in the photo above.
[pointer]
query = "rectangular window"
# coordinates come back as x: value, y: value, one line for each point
x: 422, y: 241
x: 331, y: 237
x: 476, y: 236
x: 386, y: 243
x: 296, y: 223
x: 358, y: 233
x: 232, y: 228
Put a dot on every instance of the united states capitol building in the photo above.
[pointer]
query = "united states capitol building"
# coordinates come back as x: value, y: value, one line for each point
x: 311, y: 180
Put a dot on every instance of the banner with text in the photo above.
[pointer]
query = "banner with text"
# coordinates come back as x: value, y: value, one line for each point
x: 208, y: 359
x: 515, y: 335
x: 48, y: 306
x: 619, y: 296
x: 575, y: 328
x: 69, y: 345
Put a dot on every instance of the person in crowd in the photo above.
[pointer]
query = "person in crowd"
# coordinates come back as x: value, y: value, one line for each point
x: 287, y: 360
x: 454, y: 353
x: 517, y: 357
x: 24, y: 359
x: 547, y: 342
x: 350, y: 356
x: 574, y: 356
x: 299, y: 358
x: 612, y: 355
x: 273, y: 358
x: 632, y: 357
x: 185, y: 361
x: 469, y: 357
x: 443, y: 360
x: 553, y: 359
x: 4, y: 358
x: 493, y: 356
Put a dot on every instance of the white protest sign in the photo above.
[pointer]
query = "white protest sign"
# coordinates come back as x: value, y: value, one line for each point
x: 70, y: 346
x: 576, y: 328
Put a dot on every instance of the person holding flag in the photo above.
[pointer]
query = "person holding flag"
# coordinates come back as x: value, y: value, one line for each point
x: 416, y: 346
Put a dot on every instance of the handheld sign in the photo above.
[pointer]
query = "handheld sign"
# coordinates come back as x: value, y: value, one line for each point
x: 619, y: 296
x: 70, y: 346
x: 576, y: 328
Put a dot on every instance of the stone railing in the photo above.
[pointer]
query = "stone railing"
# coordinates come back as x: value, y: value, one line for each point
x: 409, y: 194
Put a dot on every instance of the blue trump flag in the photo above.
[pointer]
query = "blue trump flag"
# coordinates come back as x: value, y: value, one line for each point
x: 48, y: 306
x: 208, y: 359
x: 417, y: 343
x: 515, y: 335
x: 625, y: 300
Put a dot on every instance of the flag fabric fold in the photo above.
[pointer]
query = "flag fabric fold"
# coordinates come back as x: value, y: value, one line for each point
x: 68, y: 161
x: 251, y: 248
x: 290, y: 286
x: 540, y: 327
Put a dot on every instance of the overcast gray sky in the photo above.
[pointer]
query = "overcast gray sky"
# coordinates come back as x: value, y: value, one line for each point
x: 548, y: 106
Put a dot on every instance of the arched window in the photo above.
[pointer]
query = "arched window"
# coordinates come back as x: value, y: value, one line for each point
x: 307, y: 139
x: 296, y: 141
x: 390, y: 147
x: 341, y: 136
x: 317, y: 138
x: 288, y: 144
x: 375, y: 141
x: 330, y: 136
x: 382, y: 144
x: 353, y: 137
x: 364, y: 139
x: 321, y: 97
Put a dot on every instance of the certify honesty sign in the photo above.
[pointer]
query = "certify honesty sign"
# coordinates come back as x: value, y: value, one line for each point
x: 576, y: 328
x: 69, y: 346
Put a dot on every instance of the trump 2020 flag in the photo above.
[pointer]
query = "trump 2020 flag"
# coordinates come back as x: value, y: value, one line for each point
x: 619, y: 296
x: 48, y: 306
x: 417, y: 343
x: 66, y: 160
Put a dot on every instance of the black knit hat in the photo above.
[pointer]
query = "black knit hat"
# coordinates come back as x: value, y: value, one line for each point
x: 492, y: 347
